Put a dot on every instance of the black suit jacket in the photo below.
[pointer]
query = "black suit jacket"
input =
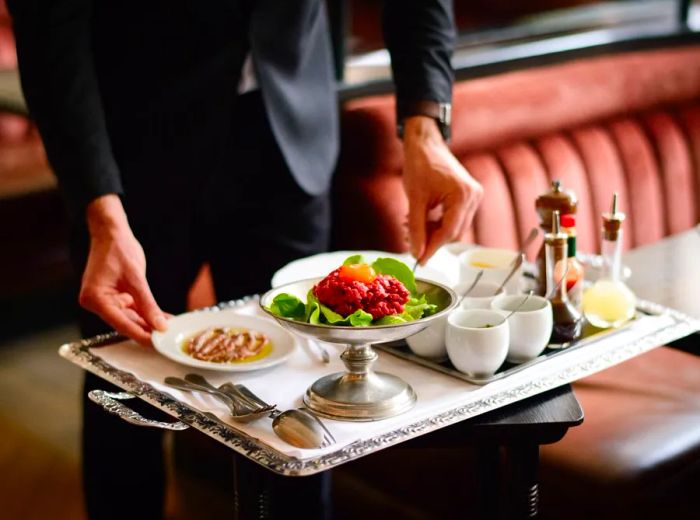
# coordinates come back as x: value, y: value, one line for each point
x: 111, y: 83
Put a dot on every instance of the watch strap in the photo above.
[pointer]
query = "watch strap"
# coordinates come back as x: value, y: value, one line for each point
x: 440, y: 112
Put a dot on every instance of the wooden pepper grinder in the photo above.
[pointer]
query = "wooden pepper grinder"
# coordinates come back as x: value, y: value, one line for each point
x: 556, y: 199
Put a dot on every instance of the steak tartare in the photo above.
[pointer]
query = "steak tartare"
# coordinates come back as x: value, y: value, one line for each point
x: 357, y: 286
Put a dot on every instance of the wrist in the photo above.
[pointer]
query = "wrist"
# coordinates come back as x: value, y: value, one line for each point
x: 421, y: 130
x: 106, y: 216
x: 440, y: 113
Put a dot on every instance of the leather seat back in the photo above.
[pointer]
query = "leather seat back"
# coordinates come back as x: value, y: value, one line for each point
x: 627, y: 122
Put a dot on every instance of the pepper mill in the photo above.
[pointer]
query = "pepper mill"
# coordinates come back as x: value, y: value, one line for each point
x: 556, y: 199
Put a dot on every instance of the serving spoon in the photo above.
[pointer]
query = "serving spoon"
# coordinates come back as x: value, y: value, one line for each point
x: 298, y: 427
x: 520, y: 258
x: 516, y: 265
x: 528, y: 240
x: 471, y: 287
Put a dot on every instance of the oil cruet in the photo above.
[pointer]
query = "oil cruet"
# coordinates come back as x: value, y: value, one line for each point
x: 609, y: 302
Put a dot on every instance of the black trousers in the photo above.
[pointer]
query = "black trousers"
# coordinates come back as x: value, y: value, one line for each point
x: 239, y: 209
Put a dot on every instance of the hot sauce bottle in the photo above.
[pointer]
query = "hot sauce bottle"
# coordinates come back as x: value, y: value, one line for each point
x: 568, y: 321
x: 609, y: 302
x: 556, y: 199
x: 574, y: 279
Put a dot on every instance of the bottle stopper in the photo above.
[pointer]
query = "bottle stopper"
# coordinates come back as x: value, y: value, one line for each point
x: 556, y: 236
x: 612, y: 221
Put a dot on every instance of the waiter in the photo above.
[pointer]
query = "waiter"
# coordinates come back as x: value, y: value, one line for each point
x: 190, y: 131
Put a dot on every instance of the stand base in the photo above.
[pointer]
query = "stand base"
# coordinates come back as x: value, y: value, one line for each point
x: 351, y: 397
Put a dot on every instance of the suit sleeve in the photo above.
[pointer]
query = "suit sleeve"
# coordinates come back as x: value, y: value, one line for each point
x: 56, y: 66
x: 420, y: 36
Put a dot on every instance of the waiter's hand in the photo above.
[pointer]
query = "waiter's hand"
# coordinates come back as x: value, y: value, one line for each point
x: 436, y: 184
x: 114, y: 282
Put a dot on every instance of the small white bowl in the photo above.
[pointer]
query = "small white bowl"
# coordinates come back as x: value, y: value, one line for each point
x: 477, y: 341
x: 496, y: 264
x: 530, y: 327
x: 430, y: 342
x: 481, y: 295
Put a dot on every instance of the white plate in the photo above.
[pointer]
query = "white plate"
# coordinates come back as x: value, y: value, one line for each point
x: 169, y: 343
x: 438, y: 269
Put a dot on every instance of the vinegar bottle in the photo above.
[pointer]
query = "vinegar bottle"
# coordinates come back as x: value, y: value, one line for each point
x: 609, y: 302
x: 568, y: 321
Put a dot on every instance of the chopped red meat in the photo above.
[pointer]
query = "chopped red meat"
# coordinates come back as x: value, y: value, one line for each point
x: 384, y: 296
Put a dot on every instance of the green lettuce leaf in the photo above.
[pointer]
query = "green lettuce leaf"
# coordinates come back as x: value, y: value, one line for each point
x: 359, y: 318
x: 354, y: 259
x: 288, y: 306
x: 319, y: 314
x: 313, y: 309
x: 392, y: 319
x: 398, y: 270
x: 418, y: 307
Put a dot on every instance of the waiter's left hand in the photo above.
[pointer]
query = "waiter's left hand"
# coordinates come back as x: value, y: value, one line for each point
x: 435, y: 183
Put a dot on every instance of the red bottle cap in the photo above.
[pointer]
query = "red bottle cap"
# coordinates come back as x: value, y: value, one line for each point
x: 568, y: 220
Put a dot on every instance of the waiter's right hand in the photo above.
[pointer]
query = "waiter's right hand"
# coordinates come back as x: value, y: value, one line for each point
x: 114, y: 283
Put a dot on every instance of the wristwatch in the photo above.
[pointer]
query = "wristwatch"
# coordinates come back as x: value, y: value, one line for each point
x: 440, y: 112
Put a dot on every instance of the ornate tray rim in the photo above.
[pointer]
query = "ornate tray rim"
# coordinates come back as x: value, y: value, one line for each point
x: 401, y: 350
x: 79, y: 353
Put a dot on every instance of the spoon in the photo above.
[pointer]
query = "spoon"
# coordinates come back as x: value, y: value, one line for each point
x: 254, y: 397
x: 517, y: 308
x: 471, y: 287
x: 528, y: 240
x: 298, y: 427
x: 518, y: 262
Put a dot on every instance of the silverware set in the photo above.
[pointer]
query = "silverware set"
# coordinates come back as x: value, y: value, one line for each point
x: 297, y: 427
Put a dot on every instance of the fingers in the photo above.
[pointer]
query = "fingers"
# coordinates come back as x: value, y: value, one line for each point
x: 416, y: 226
x: 449, y: 228
x: 126, y: 323
x: 471, y: 209
x: 146, y: 305
x: 124, y: 320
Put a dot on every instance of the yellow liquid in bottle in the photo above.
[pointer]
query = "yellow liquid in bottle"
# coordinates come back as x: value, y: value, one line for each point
x: 608, y: 303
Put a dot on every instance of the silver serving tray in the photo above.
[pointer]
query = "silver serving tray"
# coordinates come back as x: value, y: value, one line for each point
x: 85, y: 354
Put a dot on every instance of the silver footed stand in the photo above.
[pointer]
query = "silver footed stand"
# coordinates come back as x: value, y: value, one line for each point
x: 360, y: 394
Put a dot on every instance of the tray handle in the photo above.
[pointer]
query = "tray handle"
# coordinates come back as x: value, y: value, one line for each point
x: 110, y: 402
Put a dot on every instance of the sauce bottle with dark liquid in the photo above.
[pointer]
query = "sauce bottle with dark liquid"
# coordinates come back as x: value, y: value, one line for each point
x: 556, y: 199
x: 568, y: 321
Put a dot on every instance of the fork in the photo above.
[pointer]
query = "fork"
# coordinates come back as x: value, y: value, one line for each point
x: 328, y: 437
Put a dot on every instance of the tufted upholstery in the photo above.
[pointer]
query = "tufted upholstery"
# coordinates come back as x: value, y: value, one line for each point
x: 627, y: 122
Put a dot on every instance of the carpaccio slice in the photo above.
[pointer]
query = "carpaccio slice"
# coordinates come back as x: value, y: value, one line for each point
x: 226, y: 344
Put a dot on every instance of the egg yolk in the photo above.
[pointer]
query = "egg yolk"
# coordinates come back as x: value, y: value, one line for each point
x: 358, y: 272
